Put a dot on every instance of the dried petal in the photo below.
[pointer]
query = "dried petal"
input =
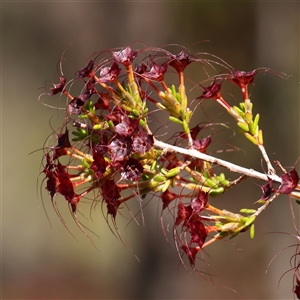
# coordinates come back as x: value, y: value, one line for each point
x: 267, y: 190
x: 59, y: 87
x: 199, y: 203
x: 86, y: 71
x: 191, y: 252
x: 167, y: 197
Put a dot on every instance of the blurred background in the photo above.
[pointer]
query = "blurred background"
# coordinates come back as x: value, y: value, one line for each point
x: 43, y: 261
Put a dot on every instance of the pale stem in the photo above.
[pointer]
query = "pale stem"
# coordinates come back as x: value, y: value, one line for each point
x: 262, y: 149
x: 214, y: 160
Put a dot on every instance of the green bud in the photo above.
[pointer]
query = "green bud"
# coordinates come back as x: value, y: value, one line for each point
x: 159, y: 178
x: 256, y: 120
x: 253, y: 129
x: 188, y: 114
x: 252, y: 231
x: 85, y: 163
x: 251, y: 138
x: 153, y: 165
x: 136, y: 112
x: 111, y: 124
x: 221, y: 176
x: 248, y: 117
x: 250, y: 221
x: 238, y: 110
x: 242, y: 106
x: 236, y: 113
x: 260, y: 137
x: 248, y: 211
x: 209, y: 182
x: 173, y: 172
x: 243, y: 125
x: 185, y: 127
x: 173, y: 89
x: 216, y: 192
x: 160, y: 106
x: 175, y: 120
x: 165, y: 186
x: 143, y: 122
x: 162, y: 170
x: 77, y: 133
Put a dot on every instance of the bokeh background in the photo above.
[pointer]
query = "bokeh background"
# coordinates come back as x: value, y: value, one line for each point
x: 40, y: 261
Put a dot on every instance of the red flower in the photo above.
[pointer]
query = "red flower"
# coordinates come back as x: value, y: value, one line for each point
x: 167, y: 197
x: 111, y: 195
x: 86, y: 71
x: 297, y: 288
x: 191, y: 252
x: 180, y: 61
x: 142, y: 142
x: 125, y: 56
x: 108, y: 74
x: 199, y: 203
x: 120, y: 148
x: 157, y: 72
x: 211, y: 92
x: 242, y: 78
x: 58, y: 87
x: 127, y: 126
x: 132, y: 170
x: 289, y: 182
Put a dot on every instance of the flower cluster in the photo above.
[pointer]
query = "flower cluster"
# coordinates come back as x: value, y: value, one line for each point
x: 112, y: 151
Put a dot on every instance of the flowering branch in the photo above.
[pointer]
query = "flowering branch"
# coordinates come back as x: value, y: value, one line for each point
x: 112, y: 148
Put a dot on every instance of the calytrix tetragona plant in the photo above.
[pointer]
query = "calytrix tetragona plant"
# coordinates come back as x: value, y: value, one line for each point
x: 114, y: 154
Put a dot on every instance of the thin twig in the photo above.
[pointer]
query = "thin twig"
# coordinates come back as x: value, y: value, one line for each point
x: 230, y: 166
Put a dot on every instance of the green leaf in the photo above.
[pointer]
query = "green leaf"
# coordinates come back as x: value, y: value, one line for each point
x: 250, y: 221
x: 248, y: 211
x: 252, y: 231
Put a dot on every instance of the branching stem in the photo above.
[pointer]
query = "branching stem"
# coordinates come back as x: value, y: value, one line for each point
x: 214, y: 160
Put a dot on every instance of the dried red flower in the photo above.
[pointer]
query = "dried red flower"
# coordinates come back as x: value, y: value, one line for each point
x: 132, y: 170
x: 289, y: 182
x: 167, y: 197
x: 211, y: 92
x: 86, y: 71
x: 142, y: 142
x: 242, y: 78
x: 180, y: 61
x: 111, y: 195
x: 125, y: 56
x: 59, y: 87
x: 120, y: 148
x: 267, y: 190
x: 109, y: 74
x: 156, y: 72
x: 127, y: 126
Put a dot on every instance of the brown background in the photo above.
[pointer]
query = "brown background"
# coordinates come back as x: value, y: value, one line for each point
x: 40, y: 262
